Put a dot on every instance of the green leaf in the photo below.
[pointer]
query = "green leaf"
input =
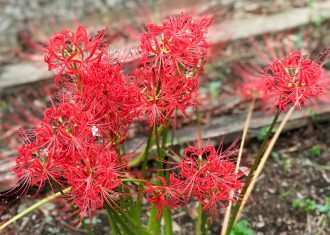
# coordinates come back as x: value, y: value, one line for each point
x: 263, y: 133
x: 276, y: 156
x: 214, y: 88
x: 308, y: 205
x: 315, y: 151
x: 314, y: 116
x: 127, y: 224
x: 113, y: 224
x: 241, y: 228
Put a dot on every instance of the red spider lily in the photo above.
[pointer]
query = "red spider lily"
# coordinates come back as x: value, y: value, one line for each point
x: 204, y: 174
x: 35, y: 166
x: 160, y: 96
x: 65, y: 129
x: 177, y: 47
x: 271, y: 47
x: 94, y: 179
x: 168, y: 195
x: 57, y: 153
x: 173, y: 56
x: 52, y: 146
x: 70, y: 52
x: 66, y: 148
x: 209, y: 175
x: 110, y: 100
x: 294, y: 79
x: 64, y: 138
x: 75, y: 143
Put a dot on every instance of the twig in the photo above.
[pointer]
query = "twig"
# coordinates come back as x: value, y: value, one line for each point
x: 246, y: 126
x: 264, y: 159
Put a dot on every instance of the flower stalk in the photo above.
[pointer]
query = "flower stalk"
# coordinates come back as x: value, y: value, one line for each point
x: 263, y: 161
x: 251, y: 173
x: 201, y: 221
x: 239, y: 157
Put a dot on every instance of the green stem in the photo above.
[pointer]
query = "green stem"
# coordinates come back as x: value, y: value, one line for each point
x: 133, y: 180
x: 153, y: 224
x: 145, y: 154
x: 252, y: 170
x: 201, y: 223
x: 118, y: 219
x: 161, y: 150
x: 113, y: 225
x: 129, y: 226
x: 160, y: 166
x: 34, y: 207
x: 142, y: 155
x: 136, y: 224
x: 199, y: 128
x: 79, y: 84
x: 123, y: 149
x: 164, y: 144
x: 168, y: 221
x: 160, y: 153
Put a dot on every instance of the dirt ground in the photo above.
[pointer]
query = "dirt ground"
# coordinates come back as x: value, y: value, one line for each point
x: 295, y: 174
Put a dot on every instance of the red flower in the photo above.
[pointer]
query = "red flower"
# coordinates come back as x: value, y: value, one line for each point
x: 173, y: 56
x: 110, y: 101
x: 168, y: 195
x: 294, y: 79
x: 35, y: 166
x: 65, y: 130
x: 209, y: 175
x: 161, y: 96
x: 204, y: 174
x: 94, y: 179
x: 76, y: 143
x: 178, y: 47
x: 70, y: 52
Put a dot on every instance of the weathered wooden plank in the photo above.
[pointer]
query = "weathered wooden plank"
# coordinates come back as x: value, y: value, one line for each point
x: 23, y: 73
x: 231, y: 126
x: 235, y: 29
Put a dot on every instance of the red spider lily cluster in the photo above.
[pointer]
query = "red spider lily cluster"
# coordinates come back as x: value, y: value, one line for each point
x: 173, y: 56
x: 204, y: 174
x: 68, y: 149
x: 289, y: 81
x: 70, y: 52
x: 177, y: 48
x: 76, y: 143
x: 291, y: 78
x: 294, y: 79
